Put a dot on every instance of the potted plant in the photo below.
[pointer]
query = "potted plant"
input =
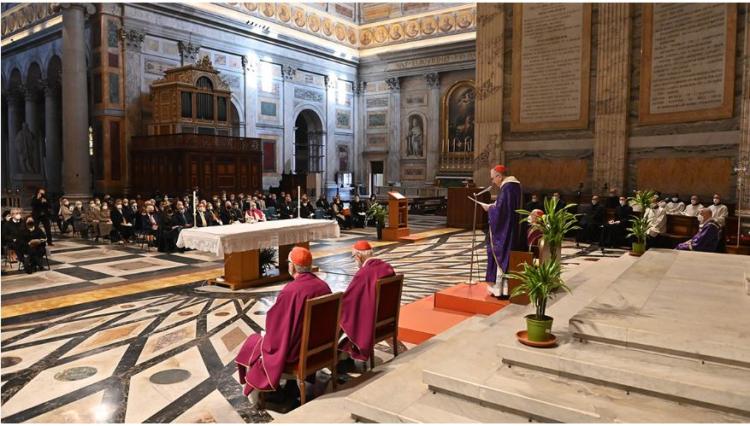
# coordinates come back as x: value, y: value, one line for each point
x: 378, y: 212
x: 639, y: 225
x: 540, y: 281
x: 638, y: 230
x: 554, y: 225
x: 266, y: 260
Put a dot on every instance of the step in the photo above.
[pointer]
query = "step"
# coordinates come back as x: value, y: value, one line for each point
x: 425, y: 235
x: 549, y: 398
x: 471, y: 299
x: 724, y: 387
x: 420, y: 321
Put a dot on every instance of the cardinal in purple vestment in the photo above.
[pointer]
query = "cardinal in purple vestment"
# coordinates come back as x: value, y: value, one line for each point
x: 503, y: 226
x: 360, y: 298
x: 707, y: 237
x: 262, y: 358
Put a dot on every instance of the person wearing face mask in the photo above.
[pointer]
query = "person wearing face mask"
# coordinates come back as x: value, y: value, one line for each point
x: 560, y: 202
x: 613, y: 234
x: 534, y: 204
x: 64, y: 215
x: 41, y: 212
x: 656, y: 216
x: 694, y: 208
x: 213, y: 216
x: 78, y: 218
x: 674, y: 205
x: 202, y: 219
x: 591, y: 222
x: 612, y: 201
x: 32, y: 246
x: 105, y: 220
x: 92, y: 220
x: 719, y: 211
x: 11, y: 230
x: 169, y: 229
x: 184, y: 219
x: 359, y: 302
x: 123, y: 227
x: 263, y: 356
x: 254, y: 214
x: 707, y: 237
x: 149, y: 223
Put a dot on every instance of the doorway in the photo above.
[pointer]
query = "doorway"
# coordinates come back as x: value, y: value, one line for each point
x: 376, y: 176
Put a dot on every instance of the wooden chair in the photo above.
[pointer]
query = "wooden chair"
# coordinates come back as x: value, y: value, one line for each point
x: 387, y: 309
x: 320, y: 337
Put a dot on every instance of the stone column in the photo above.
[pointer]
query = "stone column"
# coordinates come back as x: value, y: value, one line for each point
x: 34, y: 122
x: 133, y: 39
x: 14, y: 126
x: 358, y: 109
x: 744, y: 154
x: 76, y: 167
x: 393, y: 162
x: 488, y: 133
x: 53, y: 147
x: 287, y: 89
x: 432, y: 142
x: 612, y: 91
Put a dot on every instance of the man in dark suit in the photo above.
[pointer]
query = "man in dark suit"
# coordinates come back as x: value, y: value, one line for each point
x: 31, y: 246
x: 358, y: 209
x: 591, y: 222
x: 123, y: 226
x: 40, y: 211
x: 534, y: 204
x: 613, y: 234
x: 183, y: 217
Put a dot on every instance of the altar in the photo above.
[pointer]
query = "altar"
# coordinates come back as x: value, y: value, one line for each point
x: 240, y: 245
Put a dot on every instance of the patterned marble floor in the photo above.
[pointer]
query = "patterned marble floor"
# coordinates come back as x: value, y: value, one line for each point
x: 166, y: 355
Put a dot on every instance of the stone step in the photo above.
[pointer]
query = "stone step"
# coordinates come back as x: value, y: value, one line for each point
x: 720, y: 386
x: 549, y: 398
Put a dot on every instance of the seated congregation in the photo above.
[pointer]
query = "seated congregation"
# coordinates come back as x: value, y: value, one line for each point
x: 671, y: 223
x: 296, y: 345
x: 158, y: 220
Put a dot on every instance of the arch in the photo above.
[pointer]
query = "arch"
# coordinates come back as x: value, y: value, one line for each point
x: 15, y: 79
x: 204, y: 82
x: 406, y: 125
x: 54, y: 68
x: 309, y: 142
x: 34, y: 76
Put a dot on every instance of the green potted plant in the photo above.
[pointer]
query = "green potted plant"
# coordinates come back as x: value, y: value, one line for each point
x: 638, y: 230
x: 540, y: 281
x: 266, y: 260
x: 378, y: 213
x: 554, y: 225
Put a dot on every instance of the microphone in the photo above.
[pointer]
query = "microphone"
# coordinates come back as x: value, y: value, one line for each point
x: 484, y: 190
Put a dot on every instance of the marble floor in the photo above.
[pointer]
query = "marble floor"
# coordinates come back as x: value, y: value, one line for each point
x: 165, y: 354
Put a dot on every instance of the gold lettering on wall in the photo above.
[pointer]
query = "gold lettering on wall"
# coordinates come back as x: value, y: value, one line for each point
x: 551, y: 60
x: 687, y: 62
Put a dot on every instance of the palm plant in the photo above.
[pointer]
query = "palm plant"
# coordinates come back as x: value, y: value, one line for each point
x: 638, y: 230
x: 540, y: 281
x: 642, y: 198
x: 377, y: 212
x: 266, y: 259
x: 554, y: 224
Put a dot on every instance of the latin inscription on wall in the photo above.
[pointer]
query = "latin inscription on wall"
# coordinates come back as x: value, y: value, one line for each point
x: 688, y: 62
x: 551, y: 57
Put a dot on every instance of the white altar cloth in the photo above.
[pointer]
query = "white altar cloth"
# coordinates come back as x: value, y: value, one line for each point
x: 226, y: 239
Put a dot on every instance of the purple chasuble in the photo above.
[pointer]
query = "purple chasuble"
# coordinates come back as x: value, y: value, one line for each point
x: 358, y: 310
x: 503, y: 224
x: 707, y: 238
x: 262, y: 358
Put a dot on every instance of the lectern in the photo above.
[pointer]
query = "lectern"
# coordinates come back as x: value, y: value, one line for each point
x: 398, y: 217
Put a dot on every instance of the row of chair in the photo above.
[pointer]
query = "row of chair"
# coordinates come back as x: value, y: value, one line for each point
x: 321, y: 331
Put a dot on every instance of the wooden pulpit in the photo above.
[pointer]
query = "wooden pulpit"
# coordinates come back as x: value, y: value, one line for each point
x: 398, y: 217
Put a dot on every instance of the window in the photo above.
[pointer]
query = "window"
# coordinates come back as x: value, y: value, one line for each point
x: 221, y: 103
x: 187, y: 104
x: 204, y: 106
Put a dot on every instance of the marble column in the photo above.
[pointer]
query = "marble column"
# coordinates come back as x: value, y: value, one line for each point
x: 14, y: 126
x: 133, y: 39
x: 287, y: 89
x: 53, y: 147
x: 76, y: 167
x: 33, y: 119
x: 432, y: 142
x: 612, y: 91
x: 488, y: 133
x: 744, y: 154
x: 393, y: 162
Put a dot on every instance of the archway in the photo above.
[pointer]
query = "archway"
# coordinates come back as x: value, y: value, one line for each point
x: 309, y: 150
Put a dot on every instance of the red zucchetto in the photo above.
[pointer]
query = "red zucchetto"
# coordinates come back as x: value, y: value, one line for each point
x: 362, y: 245
x: 301, y: 256
x: 499, y: 168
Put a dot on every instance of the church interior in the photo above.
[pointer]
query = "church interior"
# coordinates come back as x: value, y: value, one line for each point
x: 375, y: 212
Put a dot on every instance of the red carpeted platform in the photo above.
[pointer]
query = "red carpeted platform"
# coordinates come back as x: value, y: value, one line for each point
x: 420, y: 320
x: 472, y: 299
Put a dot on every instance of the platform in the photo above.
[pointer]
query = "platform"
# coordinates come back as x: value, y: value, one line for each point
x: 419, y: 321
x: 468, y: 298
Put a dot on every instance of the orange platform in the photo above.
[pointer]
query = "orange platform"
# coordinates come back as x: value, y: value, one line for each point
x: 472, y: 299
x: 420, y: 320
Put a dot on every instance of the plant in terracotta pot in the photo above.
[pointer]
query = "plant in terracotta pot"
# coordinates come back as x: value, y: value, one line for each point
x: 378, y: 212
x: 553, y: 225
x: 540, y: 281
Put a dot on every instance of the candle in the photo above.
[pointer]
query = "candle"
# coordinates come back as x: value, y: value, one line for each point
x: 299, y: 202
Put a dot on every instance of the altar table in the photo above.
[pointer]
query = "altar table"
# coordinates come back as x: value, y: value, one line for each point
x: 240, y: 244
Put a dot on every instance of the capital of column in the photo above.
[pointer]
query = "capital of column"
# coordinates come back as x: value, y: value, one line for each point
x: 52, y: 87
x: 88, y: 8
x: 14, y: 95
x: 132, y: 38
x: 360, y: 87
x: 393, y: 83
x: 330, y: 82
x: 288, y: 72
x: 433, y: 80
x: 188, y: 51
x: 33, y: 94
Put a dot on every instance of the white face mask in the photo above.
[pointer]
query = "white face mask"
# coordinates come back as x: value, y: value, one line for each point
x: 17, y: 217
x: 717, y: 201
x: 622, y: 203
x: 662, y: 204
x: 674, y: 199
x: 119, y: 206
x: 694, y: 202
